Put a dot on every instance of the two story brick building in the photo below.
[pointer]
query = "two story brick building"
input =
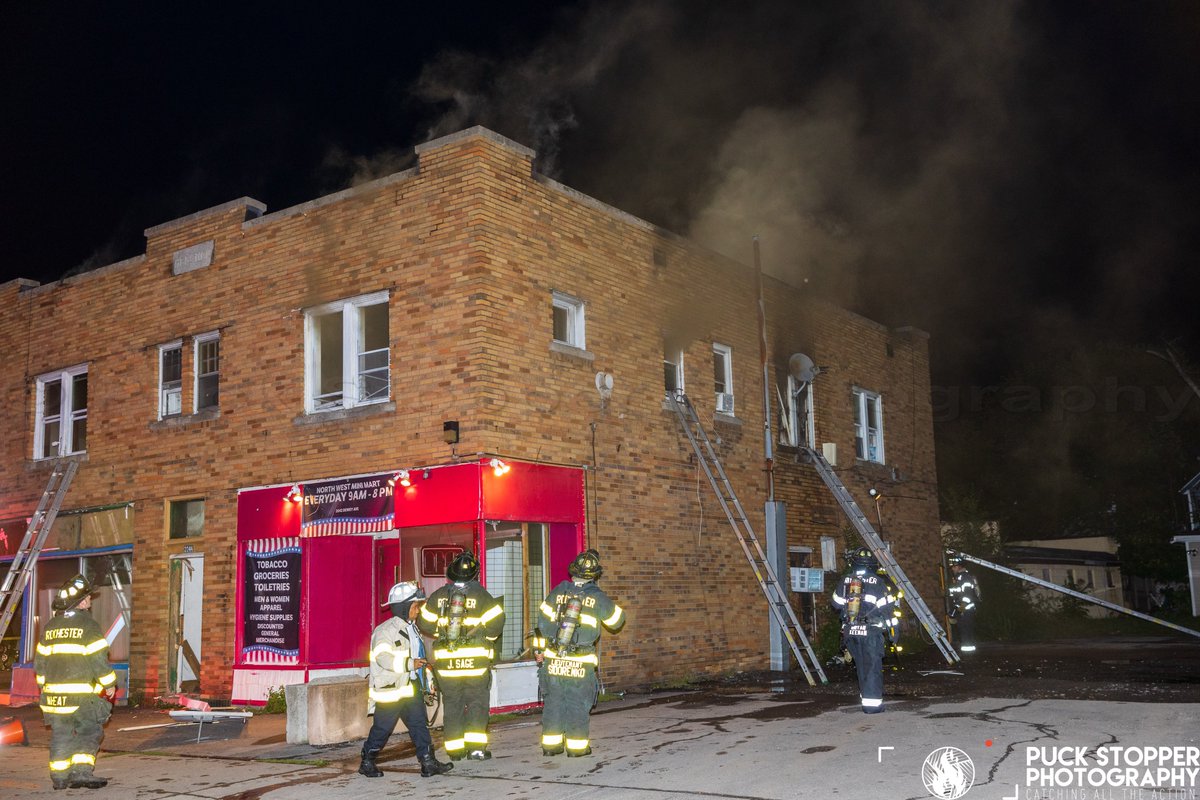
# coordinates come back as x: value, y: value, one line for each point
x: 279, y: 414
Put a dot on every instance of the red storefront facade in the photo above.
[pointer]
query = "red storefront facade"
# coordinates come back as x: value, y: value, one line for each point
x: 315, y: 561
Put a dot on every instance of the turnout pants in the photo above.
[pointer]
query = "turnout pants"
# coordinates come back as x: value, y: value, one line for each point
x: 571, y: 689
x: 865, y: 643
x: 75, y: 738
x: 466, y: 704
x: 412, y: 711
x: 965, y: 625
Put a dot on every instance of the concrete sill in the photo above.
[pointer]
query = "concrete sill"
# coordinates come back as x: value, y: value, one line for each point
x: 572, y: 352
x: 343, y: 415
x: 183, y: 420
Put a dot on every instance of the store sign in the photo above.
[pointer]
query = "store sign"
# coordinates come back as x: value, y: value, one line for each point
x: 272, y: 591
x: 348, y: 505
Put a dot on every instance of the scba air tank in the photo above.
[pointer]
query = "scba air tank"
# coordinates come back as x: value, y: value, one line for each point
x: 568, y: 621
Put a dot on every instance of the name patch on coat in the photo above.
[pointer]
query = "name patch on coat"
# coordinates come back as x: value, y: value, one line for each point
x: 561, y: 668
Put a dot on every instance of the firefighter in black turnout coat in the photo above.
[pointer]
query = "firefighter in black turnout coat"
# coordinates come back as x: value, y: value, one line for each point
x: 464, y: 622
x: 964, y: 597
x: 569, y: 623
x: 865, y: 601
x: 73, y: 672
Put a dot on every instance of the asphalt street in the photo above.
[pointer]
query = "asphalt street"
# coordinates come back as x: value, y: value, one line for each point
x: 749, y: 738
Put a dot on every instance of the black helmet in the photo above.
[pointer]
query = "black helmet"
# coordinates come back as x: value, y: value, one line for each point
x: 72, y: 593
x: 464, y: 567
x: 586, y: 565
x: 862, y: 557
x: 953, y: 558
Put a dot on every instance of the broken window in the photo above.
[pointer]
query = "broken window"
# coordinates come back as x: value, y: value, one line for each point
x: 61, y: 424
x: 347, y: 353
x: 868, y: 426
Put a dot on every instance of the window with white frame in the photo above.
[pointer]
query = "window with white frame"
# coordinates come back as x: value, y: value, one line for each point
x: 207, y: 360
x: 723, y: 377
x: 868, y: 426
x: 170, y: 379
x: 568, y: 320
x: 61, y: 419
x: 672, y: 371
x: 798, y: 429
x: 347, y: 355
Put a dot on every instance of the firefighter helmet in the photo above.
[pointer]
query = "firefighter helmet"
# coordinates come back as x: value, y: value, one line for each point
x: 72, y: 593
x: 464, y: 567
x: 403, y: 592
x: 862, y: 557
x: 953, y: 558
x: 586, y: 566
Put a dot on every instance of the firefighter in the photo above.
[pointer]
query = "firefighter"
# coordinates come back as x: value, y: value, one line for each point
x: 395, y: 692
x: 78, y: 686
x: 964, y: 598
x: 865, y: 602
x: 569, y: 626
x: 465, y: 622
x: 891, y: 626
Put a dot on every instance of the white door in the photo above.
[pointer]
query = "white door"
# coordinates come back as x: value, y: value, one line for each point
x: 191, y: 605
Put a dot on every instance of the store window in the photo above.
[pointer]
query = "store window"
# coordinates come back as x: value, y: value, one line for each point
x: 868, y: 426
x: 61, y: 425
x: 516, y: 576
x: 185, y: 519
x: 347, y: 353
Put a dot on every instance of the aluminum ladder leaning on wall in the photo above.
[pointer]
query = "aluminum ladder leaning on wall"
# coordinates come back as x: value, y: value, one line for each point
x: 21, y: 568
x: 764, y: 573
x: 882, y: 554
x: 1080, y: 595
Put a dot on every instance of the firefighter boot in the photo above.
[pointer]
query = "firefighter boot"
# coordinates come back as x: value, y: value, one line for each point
x: 59, y: 781
x: 367, y: 767
x: 587, y: 751
x: 479, y: 755
x: 430, y: 766
x: 84, y: 779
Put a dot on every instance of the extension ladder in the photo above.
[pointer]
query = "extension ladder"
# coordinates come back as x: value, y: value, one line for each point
x: 764, y: 573
x: 21, y: 568
x: 882, y: 554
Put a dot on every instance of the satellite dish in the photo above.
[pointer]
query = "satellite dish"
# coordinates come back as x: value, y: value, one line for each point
x: 802, y: 368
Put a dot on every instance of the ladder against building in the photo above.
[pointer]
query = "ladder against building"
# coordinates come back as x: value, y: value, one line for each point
x: 764, y: 573
x: 882, y: 554
x: 1080, y: 595
x: 21, y: 568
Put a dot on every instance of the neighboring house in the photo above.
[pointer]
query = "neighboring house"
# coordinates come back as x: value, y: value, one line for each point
x: 279, y: 414
x: 1191, y: 539
x: 1086, y: 564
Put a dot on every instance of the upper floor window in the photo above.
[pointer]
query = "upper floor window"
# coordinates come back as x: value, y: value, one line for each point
x: 568, y: 320
x: 347, y: 356
x: 798, y: 429
x: 868, y: 426
x: 723, y: 377
x: 61, y: 423
x: 673, y: 371
x: 207, y: 358
x: 170, y: 379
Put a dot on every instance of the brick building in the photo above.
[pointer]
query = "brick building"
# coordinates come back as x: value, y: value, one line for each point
x: 229, y: 388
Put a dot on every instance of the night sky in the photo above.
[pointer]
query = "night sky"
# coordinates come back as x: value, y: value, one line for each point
x: 1022, y: 179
